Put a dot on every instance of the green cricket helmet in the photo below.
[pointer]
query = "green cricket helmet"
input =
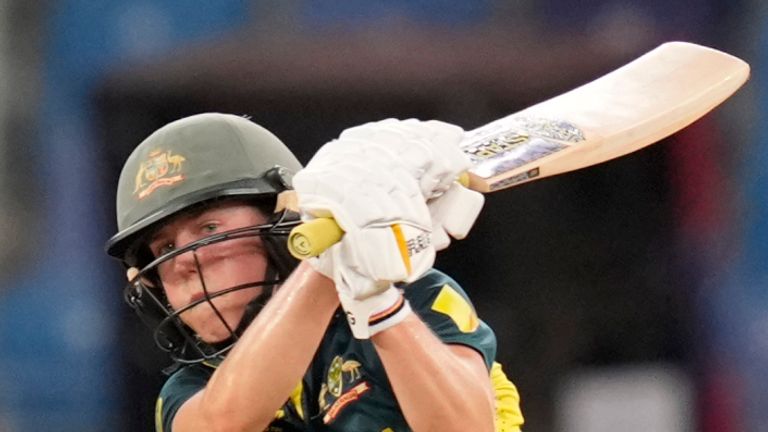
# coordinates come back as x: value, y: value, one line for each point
x: 188, y: 163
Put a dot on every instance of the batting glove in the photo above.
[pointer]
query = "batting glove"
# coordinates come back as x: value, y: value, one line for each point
x: 453, y: 214
x: 376, y: 313
x: 385, y: 219
x: 430, y: 151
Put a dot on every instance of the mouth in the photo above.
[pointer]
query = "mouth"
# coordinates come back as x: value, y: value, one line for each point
x: 197, y: 297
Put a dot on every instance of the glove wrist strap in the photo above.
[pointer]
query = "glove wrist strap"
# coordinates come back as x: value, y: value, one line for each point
x: 389, y: 317
x: 374, y: 314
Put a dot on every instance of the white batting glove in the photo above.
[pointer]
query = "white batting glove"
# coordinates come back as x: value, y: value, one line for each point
x: 430, y: 151
x: 386, y: 224
x: 378, y: 312
x: 453, y: 214
x: 427, y: 150
x: 371, y: 306
x: 374, y: 180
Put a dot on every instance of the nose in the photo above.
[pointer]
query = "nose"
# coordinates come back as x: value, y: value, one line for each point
x: 187, y: 262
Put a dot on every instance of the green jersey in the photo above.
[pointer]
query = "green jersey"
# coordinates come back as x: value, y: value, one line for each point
x: 346, y: 387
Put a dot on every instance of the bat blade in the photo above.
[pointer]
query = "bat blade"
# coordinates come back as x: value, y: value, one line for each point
x: 634, y: 106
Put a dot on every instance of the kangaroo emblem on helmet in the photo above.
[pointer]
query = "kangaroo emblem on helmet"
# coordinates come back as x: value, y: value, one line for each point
x: 154, y: 171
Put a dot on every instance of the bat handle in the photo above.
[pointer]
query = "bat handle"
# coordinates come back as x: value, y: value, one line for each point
x: 313, y: 237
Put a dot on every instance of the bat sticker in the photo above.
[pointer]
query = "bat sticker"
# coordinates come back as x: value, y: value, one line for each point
x: 506, y: 145
x: 509, y: 181
x: 516, y: 153
x: 554, y: 129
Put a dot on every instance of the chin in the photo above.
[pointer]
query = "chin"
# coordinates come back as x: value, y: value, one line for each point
x: 214, y: 336
x: 213, y: 331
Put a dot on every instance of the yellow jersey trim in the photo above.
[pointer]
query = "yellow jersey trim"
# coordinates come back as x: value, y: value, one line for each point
x: 159, y: 415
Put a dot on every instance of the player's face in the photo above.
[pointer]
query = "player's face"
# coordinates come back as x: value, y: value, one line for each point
x: 222, y: 265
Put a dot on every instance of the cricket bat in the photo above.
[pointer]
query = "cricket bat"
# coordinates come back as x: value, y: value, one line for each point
x: 634, y: 106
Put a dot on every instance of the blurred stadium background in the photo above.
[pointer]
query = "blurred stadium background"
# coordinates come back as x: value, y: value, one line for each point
x: 630, y: 296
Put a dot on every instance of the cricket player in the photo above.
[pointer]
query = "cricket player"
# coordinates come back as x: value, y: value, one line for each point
x: 263, y: 343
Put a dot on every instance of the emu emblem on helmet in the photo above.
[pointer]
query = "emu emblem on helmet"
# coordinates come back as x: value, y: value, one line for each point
x: 162, y: 168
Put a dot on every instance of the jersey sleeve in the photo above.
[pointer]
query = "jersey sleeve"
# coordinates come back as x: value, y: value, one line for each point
x: 187, y: 381
x: 181, y: 386
x: 444, y: 306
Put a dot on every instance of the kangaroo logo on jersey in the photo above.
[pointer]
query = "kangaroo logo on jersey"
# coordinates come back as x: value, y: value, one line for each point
x: 343, y: 385
x: 162, y: 168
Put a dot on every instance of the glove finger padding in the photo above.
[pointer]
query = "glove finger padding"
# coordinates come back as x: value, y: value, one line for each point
x: 453, y: 214
x: 430, y: 150
x: 391, y: 253
x: 448, y: 159
x: 384, y: 216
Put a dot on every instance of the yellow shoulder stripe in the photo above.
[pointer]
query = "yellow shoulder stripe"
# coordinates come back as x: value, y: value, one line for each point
x: 451, y: 303
x: 509, y: 417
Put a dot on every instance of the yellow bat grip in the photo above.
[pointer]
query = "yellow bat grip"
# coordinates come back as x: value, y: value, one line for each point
x: 311, y: 238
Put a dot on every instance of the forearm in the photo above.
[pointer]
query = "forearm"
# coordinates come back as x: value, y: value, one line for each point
x: 438, y: 387
x: 272, y: 355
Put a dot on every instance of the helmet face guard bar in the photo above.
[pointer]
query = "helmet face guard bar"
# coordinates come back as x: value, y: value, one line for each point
x: 145, y: 294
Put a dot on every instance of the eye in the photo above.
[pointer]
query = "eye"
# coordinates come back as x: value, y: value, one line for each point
x: 164, y: 249
x: 210, y: 227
